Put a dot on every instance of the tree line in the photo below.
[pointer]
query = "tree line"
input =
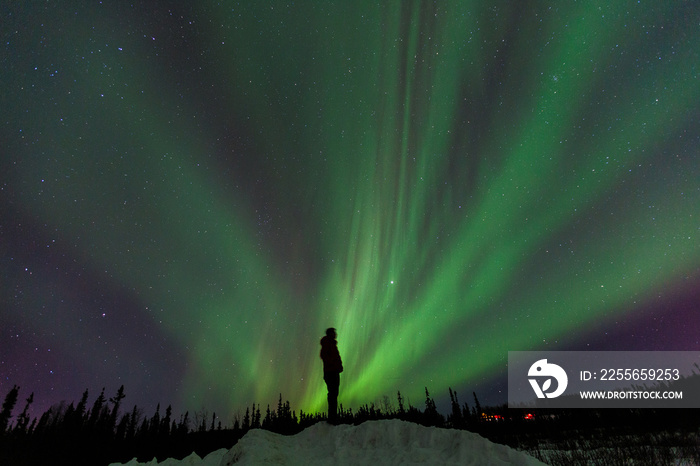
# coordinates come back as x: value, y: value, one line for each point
x: 102, y: 432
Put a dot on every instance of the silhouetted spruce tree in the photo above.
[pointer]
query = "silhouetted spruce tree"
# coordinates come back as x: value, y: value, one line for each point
x: 77, y: 419
x: 68, y: 416
x: 96, y: 410
x: 431, y: 415
x: 58, y: 415
x: 256, y: 419
x: 466, y: 413
x: 477, y: 407
x: 285, y: 419
x: 166, y: 421
x: 132, y: 426
x: 144, y: 430
x: 7, y: 406
x: 116, y: 401
x: 456, y: 414
x: 43, y: 423
x: 268, y: 423
x: 402, y: 411
x: 23, y: 419
x: 122, y: 427
x: 246, y: 420
x: 305, y: 420
x: 30, y: 431
x: 154, y: 423
x: 184, y: 427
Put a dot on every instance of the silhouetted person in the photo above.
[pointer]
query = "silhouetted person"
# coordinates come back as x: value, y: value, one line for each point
x: 332, y: 367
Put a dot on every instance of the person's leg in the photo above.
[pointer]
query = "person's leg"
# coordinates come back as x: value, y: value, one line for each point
x: 333, y: 383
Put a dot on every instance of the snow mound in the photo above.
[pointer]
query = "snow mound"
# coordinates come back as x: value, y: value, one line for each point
x: 386, y: 442
x: 212, y: 459
x: 373, y: 442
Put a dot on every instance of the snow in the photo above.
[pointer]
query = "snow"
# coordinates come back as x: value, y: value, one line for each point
x: 212, y: 459
x: 387, y: 442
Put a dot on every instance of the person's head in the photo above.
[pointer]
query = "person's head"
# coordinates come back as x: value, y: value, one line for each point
x: 330, y: 332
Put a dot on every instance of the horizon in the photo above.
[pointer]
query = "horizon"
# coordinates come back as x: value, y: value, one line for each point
x: 386, y: 404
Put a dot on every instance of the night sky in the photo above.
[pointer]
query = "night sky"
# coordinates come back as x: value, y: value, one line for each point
x: 192, y: 192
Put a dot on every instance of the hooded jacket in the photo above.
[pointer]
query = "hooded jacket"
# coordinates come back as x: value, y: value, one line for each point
x: 330, y: 355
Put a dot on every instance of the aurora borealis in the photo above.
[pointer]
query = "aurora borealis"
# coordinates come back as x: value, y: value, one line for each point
x: 191, y: 192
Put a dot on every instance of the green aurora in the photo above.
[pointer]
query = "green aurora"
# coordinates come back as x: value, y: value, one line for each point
x: 443, y: 182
